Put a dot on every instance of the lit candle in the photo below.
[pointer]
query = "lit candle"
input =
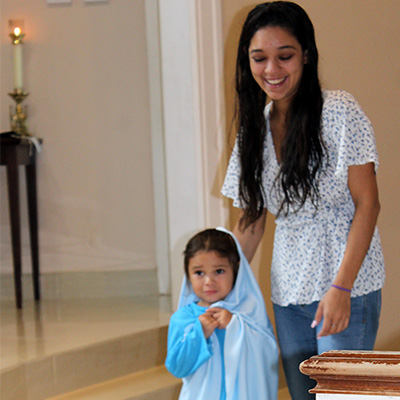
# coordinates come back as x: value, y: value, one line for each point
x: 18, y: 81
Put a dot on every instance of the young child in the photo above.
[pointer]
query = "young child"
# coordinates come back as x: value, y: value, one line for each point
x: 220, y: 340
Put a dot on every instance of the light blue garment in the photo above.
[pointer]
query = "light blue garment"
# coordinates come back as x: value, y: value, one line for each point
x: 250, y: 354
x: 188, y: 349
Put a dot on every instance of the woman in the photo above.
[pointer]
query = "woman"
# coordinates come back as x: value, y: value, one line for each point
x: 309, y: 157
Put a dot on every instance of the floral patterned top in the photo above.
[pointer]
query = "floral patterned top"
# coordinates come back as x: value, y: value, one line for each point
x: 309, y: 244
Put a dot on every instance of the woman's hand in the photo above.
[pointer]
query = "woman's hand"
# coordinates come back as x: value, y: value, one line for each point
x: 334, y: 309
x: 222, y: 316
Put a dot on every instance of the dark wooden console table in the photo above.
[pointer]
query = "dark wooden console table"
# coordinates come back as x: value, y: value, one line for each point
x: 16, y: 151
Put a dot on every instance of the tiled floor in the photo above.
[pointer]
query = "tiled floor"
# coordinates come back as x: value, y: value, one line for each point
x: 56, y: 325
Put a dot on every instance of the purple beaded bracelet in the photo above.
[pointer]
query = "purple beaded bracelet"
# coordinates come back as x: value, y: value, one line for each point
x: 341, y: 288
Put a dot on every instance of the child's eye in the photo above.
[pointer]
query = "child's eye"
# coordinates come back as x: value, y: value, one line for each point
x: 198, y: 273
x: 220, y: 271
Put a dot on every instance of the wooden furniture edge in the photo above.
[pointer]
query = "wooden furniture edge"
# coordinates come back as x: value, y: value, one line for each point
x: 355, y: 372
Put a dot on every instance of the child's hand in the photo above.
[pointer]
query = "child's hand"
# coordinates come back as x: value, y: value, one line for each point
x: 209, y: 323
x: 222, y: 316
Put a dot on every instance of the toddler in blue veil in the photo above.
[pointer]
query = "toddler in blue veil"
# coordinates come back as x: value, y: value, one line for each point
x: 220, y: 340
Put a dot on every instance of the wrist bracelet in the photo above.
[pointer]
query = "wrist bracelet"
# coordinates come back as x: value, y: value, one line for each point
x: 341, y: 288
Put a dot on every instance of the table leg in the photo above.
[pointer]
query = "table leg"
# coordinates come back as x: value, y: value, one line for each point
x: 33, y: 226
x: 15, y: 221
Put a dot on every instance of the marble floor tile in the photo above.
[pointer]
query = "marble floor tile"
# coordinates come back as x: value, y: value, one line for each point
x: 52, y: 326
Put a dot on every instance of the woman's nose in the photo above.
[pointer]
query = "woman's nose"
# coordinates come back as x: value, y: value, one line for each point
x: 271, y: 66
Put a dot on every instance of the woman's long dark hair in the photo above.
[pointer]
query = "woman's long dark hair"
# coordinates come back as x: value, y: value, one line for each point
x: 302, y: 149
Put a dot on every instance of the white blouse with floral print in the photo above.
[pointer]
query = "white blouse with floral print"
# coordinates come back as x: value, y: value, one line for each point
x: 309, y: 244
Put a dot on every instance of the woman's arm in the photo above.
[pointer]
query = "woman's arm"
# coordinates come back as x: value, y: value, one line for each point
x: 335, y: 306
x: 250, y: 237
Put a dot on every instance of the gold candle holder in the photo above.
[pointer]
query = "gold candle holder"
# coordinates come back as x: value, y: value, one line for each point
x: 18, y: 114
x: 17, y: 36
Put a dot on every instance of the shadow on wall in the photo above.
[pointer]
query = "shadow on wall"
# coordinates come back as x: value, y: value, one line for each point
x: 393, y: 343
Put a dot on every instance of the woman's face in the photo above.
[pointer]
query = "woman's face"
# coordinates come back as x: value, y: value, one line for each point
x: 276, y: 62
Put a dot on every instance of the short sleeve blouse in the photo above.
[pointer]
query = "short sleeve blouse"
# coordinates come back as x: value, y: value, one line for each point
x: 309, y: 244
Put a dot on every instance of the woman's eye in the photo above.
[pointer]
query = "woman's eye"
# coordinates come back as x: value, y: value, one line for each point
x: 257, y: 60
x: 286, y: 58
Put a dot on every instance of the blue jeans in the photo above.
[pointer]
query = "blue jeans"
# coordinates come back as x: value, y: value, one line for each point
x: 298, y: 341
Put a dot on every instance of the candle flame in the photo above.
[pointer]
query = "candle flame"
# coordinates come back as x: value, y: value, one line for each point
x: 17, y: 31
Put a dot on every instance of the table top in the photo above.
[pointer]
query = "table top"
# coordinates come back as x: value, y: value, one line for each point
x: 18, y: 150
x: 12, y: 139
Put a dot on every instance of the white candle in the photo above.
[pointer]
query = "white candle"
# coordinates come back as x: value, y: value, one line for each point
x: 18, y: 82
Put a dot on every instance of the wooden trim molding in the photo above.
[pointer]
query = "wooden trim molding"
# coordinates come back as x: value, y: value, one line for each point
x: 355, y: 372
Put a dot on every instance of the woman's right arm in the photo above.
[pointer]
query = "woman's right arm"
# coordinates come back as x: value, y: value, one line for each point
x: 250, y: 237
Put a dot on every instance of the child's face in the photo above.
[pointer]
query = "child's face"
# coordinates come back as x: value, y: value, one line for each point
x: 211, y: 277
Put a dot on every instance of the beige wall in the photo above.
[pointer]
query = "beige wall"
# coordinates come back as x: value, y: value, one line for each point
x: 86, y: 70
x: 359, y: 44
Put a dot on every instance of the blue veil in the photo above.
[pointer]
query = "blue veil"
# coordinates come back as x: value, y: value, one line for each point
x: 250, y: 349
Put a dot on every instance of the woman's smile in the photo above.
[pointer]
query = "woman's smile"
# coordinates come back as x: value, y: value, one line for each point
x: 275, y: 82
